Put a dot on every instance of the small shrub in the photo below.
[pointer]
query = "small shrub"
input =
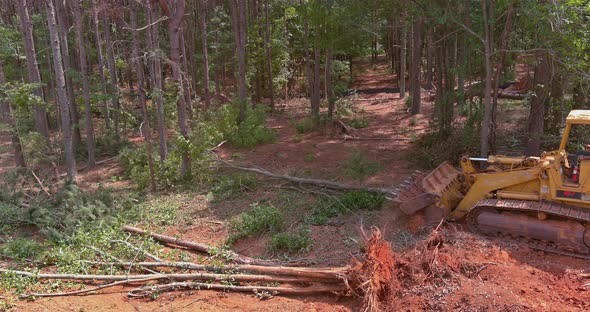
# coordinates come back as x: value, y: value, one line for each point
x: 323, y: 210
x: 413, y: 121
x: 433, y: 148
x: 408, y: 101
x: 357, y: 200
x: 292, y: 243
x: 257, y: 220
x: 305, y: 125
x: 359, y: 122
x: 309, y: 157
x: 358, y: 167
x: 234, y: 183
x: 22, y: 249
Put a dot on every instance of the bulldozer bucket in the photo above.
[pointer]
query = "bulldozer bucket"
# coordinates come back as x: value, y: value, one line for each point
x: 437, y: 192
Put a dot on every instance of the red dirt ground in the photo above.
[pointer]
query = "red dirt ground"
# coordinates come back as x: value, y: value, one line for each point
x: 466, y: 273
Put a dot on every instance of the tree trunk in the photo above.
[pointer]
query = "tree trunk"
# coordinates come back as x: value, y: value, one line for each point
x: 100, y: 57
x: 61, y: 15
x: 114, y: 86
x: 203, y: 30
x: 329, y: 87
x: 416, y: 62
x: 315, y: 100
x: 487, y: 105
x: 174, y: 26
x: 154, y: 44
x: 537, y: 111
x: 498, y: 72
x: 269, y: 54
x: 402, y: 62
x: 62, y: 96
x: 41, y: 124
x: 429, y: 48
x: 309, y: 69
x: 146, y: 129
x: 7, y: 116
x: 90, y: 145
x: 238, y: 11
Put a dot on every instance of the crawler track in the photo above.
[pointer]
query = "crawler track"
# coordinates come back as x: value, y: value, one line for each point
x: 546, y: 226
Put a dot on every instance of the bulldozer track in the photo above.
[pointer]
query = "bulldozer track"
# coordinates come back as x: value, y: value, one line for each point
x: 553, y: 209
x: 550, y: 208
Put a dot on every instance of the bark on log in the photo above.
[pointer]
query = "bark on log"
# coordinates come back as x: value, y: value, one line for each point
x: 149, y: 290
x: 318, y: 273
x: 175, y: 276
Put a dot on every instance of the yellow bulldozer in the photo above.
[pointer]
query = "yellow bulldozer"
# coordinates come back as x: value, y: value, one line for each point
x: 544, y: 200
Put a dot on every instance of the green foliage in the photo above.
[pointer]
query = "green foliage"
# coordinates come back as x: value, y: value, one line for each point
x: 358, y: 167
x: 325, y: 209
x: 110, y: 145
x: 248, y: 133
x: 259, y: 219
x: 234, y: 183
x: 305, y: 125
x: 68, y: 209
x: 408, y: 101
x: 359, y: 122
x: 433, y: 148
x: 22, y: 249
x: 413, y: 121
x: 294, y: 243
x: 357, y: 200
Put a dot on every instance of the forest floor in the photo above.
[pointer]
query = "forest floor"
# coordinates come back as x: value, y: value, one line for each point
x: 467, y: 272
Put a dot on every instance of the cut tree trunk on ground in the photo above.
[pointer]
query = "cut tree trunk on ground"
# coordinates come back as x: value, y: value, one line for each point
x: 318, y: 273
x: 148, y: 291
x: 324, y: 183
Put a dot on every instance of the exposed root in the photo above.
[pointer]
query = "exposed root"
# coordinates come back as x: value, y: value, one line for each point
x: 375, y: 278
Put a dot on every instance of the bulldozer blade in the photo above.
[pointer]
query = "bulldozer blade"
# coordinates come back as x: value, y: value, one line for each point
x: 439, y: 192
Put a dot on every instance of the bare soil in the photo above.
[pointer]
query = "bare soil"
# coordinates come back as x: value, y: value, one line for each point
x: 458, y: 272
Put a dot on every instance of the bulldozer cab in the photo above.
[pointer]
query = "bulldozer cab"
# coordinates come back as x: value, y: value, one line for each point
x: 575, y: 144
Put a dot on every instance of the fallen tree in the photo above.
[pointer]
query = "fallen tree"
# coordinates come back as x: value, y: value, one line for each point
x: 319, y: 182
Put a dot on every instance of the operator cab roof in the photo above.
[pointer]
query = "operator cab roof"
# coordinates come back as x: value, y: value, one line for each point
x: 579, y: 116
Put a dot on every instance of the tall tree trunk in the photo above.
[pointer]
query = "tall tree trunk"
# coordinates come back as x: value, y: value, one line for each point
x: 174, y: 27
x: 203, y: 30
x: 41, y: 124
x: 487, y: 105
x: 154, y: 44
x: 499, y: 67
x: 19, y: 159
x: 61, y: 15
x: 114, y: 86
x: 269, y: 53
x: 98, y: 42
x: 85, y: 86
x: 315, y: 100
x: 537, y: 111
x: 310, y: 70
x: 402, y: 62
x: 146, y: 129
x: 416, y: 62
x: 429, y: 48
x: 329, y: 87
x: 238, y: 9
x: 62, y: 97
x: 187, y: 86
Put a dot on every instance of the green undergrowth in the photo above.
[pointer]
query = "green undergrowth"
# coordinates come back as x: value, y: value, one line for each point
x: 326, y: 208
x: 72, y: 228
x: 434, y: 147
x: 265, y: 219
x: 211, y: 128
x: 358, y: 167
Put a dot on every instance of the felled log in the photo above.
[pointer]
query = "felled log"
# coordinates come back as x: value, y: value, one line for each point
x: 318, y: 273
x: 175, y: 276
x: 147, y: 291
